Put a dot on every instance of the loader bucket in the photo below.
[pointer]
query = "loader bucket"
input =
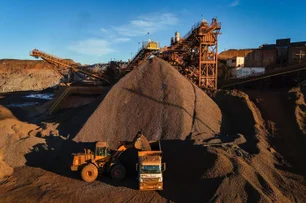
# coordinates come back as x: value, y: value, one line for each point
x: 142, y: 143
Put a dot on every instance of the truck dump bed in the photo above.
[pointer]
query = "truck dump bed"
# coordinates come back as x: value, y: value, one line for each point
x: 155, y: 149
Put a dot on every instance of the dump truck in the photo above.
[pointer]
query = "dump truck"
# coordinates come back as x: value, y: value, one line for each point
x: 104, y: 160
x: 150, y: 167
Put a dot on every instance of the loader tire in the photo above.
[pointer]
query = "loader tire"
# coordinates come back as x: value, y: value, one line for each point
x: 118, y: 172
x: 89, y: 173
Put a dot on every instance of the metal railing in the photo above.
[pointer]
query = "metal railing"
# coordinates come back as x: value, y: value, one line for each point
x: 145, y: 45
x: 195, y: 26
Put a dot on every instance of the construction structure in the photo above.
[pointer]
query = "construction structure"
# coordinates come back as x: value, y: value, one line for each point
x: 148, y: 47
x: 66, y: 65
x: 91, y: 84
x: 196, y: 54
x: 64, y: 92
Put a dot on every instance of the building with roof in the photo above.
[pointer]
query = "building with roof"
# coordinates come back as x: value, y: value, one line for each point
x: 283, y: 52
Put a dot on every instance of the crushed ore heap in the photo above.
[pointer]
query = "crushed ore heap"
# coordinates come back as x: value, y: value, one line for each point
x: 157, y: 99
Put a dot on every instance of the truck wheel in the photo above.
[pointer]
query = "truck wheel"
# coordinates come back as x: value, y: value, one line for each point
x: 118, y: 172
x: 89, y: 173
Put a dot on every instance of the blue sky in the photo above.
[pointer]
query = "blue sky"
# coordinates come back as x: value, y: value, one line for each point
x: 95, y: 31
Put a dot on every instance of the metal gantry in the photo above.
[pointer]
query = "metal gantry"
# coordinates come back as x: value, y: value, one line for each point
x: 208, y: 55
x: 196, y: 54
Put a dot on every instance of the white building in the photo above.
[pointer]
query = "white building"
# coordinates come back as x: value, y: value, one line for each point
x: 243, y: 72
x: 235, y: 62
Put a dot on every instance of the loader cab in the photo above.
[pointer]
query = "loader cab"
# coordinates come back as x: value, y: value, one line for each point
x: 102, y: 150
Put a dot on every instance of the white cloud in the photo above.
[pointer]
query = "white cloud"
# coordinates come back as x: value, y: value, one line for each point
x: 234, y: 3
x: 121, y: 34
x: 119, y: 40
x: 93, y: 46
x: 97, y: 46
x: 104, y: 30
x: 143, y: 24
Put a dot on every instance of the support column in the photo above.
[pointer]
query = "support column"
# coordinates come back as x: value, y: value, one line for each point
x: 208, y: 55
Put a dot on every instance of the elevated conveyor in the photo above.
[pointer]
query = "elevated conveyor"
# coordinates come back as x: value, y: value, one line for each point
x: 69, y: 90
x: 74, y: 90
x: 148, y: 47
x: 277, y: 72
x: 63, y: 63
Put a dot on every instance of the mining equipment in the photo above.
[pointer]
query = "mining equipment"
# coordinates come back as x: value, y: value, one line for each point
x: 147, y: 49
x: 150, y: 167
x: 80, y: 80
x: 68, y: 66
x: 104, y: 160
x: 196, y: 54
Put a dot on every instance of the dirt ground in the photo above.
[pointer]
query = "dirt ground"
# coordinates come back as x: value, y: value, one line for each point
x: 256, y: 155
x: 28, y: 74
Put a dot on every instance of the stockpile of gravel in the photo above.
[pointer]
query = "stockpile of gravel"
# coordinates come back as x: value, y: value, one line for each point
x: 157, y: 99
x: 15, y: 142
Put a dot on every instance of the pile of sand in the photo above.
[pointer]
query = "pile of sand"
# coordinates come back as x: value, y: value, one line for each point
x: 249, y: 171
x: 15, y: 141
x: 156, y: 99
x: 300, y: 108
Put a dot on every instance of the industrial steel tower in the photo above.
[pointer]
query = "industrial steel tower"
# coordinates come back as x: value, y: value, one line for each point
x: 196, y: 54
x: 208, y: 53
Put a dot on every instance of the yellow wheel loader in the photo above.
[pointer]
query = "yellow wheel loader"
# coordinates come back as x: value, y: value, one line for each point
x: 103, y: 159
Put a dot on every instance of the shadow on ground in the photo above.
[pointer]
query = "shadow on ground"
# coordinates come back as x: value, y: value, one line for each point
x: 238, y: 118
x: 70, y: 119
x: 186, y: 164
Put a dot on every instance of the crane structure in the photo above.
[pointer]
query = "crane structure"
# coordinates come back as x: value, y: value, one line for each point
x: 65, y: 64
x: 196, y: 54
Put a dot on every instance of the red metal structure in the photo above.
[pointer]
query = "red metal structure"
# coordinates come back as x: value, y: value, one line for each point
x: 196, y: 54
